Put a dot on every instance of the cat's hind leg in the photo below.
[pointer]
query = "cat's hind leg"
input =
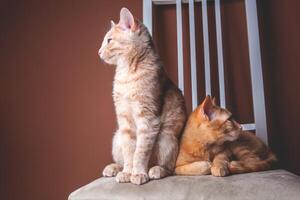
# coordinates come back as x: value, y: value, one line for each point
x: 253, y: 164
x: 241, y: 166
x: 249, y: 161
x: 194, y: 169
x: 165, y: 152
x: 158, y: 172
x: 112, y: 170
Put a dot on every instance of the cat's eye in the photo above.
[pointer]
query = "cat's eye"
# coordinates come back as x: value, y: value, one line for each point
x: 108, y: 40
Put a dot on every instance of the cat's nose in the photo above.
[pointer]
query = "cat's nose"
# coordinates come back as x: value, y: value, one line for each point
x: 99, y: 52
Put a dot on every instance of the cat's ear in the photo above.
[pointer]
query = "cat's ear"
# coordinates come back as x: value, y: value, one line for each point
x: 207, y: 108
x: 112, y: 23
x: 126, y: 20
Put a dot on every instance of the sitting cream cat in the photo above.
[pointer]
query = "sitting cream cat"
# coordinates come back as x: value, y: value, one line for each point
x: 150, y: 108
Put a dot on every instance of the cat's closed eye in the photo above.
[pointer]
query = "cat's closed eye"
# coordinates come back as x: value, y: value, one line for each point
x: 108, y: 40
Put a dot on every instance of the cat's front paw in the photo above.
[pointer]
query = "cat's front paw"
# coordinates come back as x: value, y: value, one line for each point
x: 219, y: 170
x: 123, y: 177
x: 139, y: 179
x: 111, y: 170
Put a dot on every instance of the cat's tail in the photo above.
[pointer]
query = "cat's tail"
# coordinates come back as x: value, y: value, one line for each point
x: 244, y: 166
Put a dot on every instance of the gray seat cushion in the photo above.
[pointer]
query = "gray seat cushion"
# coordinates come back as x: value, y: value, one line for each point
x: 274, y: 184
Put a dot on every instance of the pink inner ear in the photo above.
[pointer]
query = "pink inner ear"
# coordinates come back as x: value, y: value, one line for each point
x: 208, y: 109
x: 209, y: 112
x: 126, y: 19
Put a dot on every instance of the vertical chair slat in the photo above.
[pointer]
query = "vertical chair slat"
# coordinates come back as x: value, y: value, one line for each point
x: 220, y: 53
x: 256, y: 71
x: 248, y: 127
x: 147, y: 14
x: 206, y: 48
x: 193, y: 54
x: 179, y: 46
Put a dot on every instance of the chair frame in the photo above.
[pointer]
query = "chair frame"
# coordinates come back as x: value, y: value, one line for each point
x: 260, y: 124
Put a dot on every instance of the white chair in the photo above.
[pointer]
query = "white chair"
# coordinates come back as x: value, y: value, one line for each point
x: 268, y: 185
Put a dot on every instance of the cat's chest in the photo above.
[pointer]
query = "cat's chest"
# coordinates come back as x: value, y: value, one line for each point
x: 125, y: 91
x: 201, y: 153
x: 204, y: 152
x: 128, y: 86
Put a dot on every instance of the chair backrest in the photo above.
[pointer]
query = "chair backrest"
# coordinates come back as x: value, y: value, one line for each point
x: 260, y: 124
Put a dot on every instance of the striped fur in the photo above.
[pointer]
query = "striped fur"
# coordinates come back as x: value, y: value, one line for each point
x: 150, y: 109
x: 214, y: 143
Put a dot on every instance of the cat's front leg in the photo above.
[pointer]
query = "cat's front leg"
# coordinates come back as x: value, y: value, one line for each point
x: 146, y: 136
x: 125, y: 139
x: 220, y: 164
x: 127, y: 147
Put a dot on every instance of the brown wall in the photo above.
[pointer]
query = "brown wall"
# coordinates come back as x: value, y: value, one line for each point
x: 281, y: 54
x: 57, y: 115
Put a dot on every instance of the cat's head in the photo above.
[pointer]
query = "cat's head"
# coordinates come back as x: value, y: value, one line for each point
x: 124, y: 39
x: 215, y: 123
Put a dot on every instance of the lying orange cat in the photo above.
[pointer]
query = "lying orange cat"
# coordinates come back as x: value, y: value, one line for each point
x: 214, y: 143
